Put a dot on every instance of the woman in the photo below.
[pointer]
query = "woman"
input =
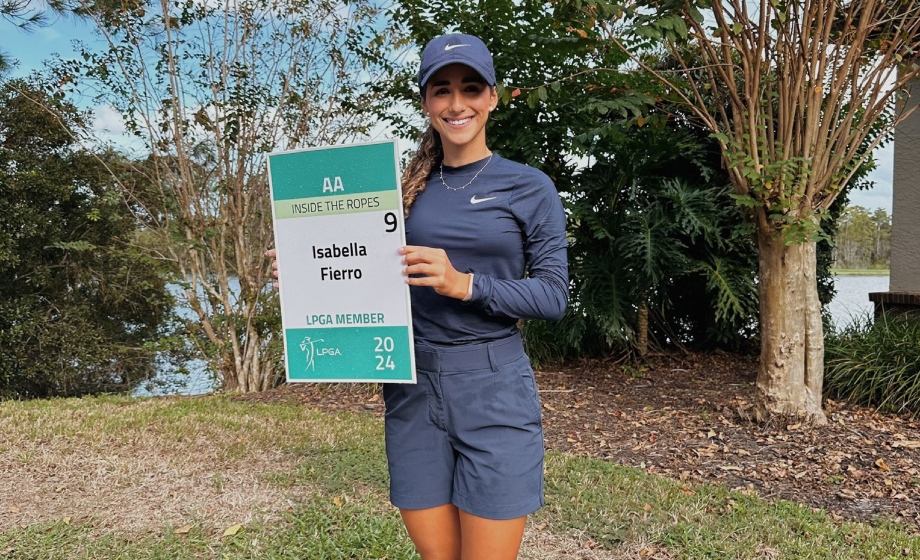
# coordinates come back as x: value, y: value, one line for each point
x: 465, y: 444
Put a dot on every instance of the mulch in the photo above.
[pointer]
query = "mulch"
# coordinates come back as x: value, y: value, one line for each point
x: 683, y: 416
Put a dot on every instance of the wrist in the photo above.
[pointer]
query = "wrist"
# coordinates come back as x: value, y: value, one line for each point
x: 469, y: 289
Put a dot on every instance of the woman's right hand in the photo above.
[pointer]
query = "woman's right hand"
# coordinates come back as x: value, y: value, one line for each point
x: 427, y: 266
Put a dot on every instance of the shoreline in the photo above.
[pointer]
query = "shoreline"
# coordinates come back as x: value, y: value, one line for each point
x: 861, y: 272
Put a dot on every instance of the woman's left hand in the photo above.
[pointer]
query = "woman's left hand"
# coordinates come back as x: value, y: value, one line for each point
x: 273, y: 255
x: 435, y: 270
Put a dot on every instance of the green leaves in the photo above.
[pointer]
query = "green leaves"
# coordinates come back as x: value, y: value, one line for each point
x: 735, y: 294
x: 78, y: 304
x: 646, y: 223
x: 671, y: 28
x: 634, y: 104
x: 72, y: 246
x: 876, y: 363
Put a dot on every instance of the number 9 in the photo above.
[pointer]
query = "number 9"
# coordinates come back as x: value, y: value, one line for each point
x: 390, y: 220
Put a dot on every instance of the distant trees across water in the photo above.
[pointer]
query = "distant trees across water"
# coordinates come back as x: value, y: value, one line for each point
x: 863, y: 239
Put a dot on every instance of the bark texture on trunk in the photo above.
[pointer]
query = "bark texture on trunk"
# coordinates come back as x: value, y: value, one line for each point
x: 791, y: 376
x: 642, y: 329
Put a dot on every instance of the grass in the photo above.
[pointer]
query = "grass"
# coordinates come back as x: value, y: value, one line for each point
x: 861, y: 271
x: 330, y: 472
x: 876, y: 363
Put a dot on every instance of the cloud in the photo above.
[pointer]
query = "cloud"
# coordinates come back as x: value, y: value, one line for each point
x: 880, y: 195
x: 109, y: 128
x: 108, y: 120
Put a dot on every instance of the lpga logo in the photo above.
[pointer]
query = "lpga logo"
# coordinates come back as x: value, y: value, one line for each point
x: 307, y: 346
x: 311, y: 351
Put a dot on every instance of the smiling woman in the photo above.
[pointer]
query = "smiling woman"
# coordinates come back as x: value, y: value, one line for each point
x: 465, y: 445
x: 458, y: 102
x: 487, y: 247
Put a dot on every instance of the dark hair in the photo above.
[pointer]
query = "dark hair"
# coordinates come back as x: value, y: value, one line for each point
x: 421, y: 165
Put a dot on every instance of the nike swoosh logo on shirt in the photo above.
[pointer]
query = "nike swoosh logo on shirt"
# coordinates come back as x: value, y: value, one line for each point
x: 474, y: 200
x: 452, y: 47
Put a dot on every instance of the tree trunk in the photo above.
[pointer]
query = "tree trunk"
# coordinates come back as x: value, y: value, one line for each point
x: 791, y: 376
x: 642, y: 329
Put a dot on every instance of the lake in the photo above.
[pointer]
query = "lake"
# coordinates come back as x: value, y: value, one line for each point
x: 852, y: 299
x: 169, y: 381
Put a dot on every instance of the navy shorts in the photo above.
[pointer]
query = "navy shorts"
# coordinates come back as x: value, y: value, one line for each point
x: 468, y: 433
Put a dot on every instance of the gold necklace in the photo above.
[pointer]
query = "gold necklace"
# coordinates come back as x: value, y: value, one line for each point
x: 470, y: 182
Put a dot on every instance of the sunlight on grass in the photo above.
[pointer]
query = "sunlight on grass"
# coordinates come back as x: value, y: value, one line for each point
x: 617, y: 505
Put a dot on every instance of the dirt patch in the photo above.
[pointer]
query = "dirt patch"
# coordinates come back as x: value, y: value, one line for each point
x: 682, y: 416
x: 539, y: 544
x: 139, y: 482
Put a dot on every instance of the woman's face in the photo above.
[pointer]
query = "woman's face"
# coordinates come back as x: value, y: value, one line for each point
x: 458, y: 101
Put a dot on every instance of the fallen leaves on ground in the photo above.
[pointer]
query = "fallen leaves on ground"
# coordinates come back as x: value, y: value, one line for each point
x: 685, y: 416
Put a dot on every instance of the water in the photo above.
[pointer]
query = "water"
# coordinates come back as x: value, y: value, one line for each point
x: 196, y: 380
x: 852, y: 299
x: 191, y: 378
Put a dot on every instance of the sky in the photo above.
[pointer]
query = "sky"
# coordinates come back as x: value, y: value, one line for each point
x: 32, y: 48
x: 29, y: 50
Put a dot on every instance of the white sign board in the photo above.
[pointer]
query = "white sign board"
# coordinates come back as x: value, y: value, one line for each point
x: 338, y: 223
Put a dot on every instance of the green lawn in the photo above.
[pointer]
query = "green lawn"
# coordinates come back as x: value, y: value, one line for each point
x: 861, y: 272
x: 321, y: 486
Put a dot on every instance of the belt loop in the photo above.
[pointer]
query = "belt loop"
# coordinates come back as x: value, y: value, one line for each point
x: 438, y: 359
x: 492, y: 361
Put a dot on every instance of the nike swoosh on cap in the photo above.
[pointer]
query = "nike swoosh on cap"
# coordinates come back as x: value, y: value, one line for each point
x: 452, y: 47
x: 474, y: 200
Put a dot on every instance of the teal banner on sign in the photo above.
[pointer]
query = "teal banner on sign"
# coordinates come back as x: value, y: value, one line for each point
x: 364, y: 168
x: 373, y: 354
x: 338, y: 222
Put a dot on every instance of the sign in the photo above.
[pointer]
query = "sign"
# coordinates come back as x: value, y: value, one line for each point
x: 338, y: 223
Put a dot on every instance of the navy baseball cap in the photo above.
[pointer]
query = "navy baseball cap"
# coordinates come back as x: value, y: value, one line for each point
x: 457, y: 48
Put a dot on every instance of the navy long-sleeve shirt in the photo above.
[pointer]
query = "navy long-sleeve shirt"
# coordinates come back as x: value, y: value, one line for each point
x: 507, y: 228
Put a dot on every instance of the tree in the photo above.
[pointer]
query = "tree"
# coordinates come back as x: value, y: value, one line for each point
x: 881, y: 246
x: 863, y: 239
x: 210, y: 88
x: 803, y: 90
x: 79, y: 306
x: 28, y: 15
x: 658, y: 235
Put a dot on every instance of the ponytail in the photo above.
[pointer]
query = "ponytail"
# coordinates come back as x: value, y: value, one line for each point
x: 416, y: 175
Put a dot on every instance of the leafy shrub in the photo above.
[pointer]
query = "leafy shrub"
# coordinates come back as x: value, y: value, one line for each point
x: 876, y: 364
x: 80, y: 307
